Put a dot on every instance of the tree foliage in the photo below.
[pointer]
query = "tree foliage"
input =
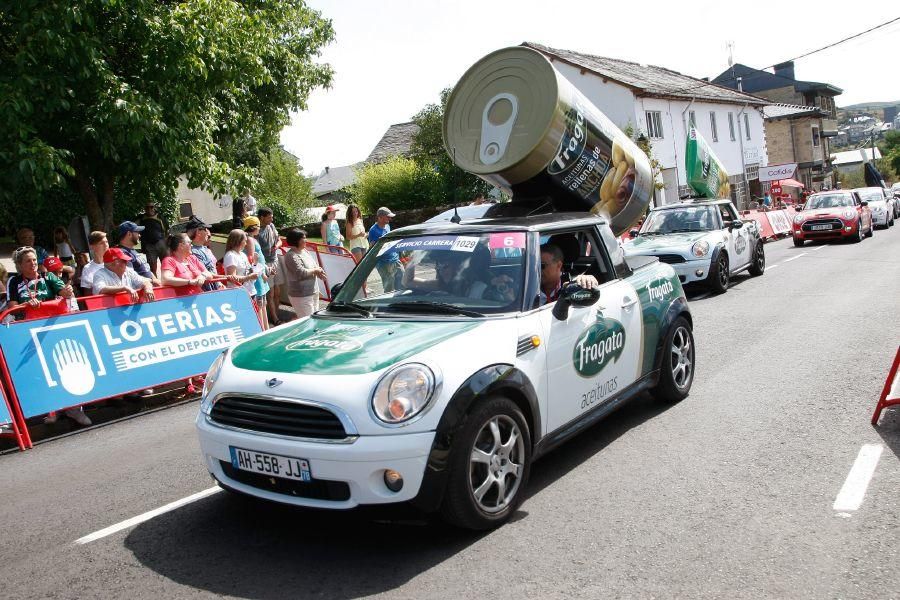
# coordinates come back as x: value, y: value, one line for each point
x: 283, y: 188
x: 889, y: 165
x: 399, y: 183
x: 455, y: 185
x: 122, y: 96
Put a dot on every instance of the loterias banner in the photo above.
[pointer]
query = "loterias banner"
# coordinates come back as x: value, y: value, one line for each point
x: 705, y: 174
x: 81, y: 357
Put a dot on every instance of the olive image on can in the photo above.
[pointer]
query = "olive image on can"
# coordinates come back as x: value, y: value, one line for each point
x: 517, y: 123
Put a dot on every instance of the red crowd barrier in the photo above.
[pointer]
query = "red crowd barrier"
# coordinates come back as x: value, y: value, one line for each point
x: 9, y: 400
x: 886, y: 400
x: 772, y: 223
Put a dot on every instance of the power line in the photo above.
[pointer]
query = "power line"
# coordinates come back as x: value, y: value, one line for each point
x: 810, y: 53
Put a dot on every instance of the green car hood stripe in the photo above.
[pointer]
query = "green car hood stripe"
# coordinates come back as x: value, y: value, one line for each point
x: 657, y: 287
x: 324, y: 347
x: 665, y: 242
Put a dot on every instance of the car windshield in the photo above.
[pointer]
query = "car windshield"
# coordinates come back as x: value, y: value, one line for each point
x: 871, y: 195
x: 828, y: 201
x: 467, y: 275
x: 675, y: 220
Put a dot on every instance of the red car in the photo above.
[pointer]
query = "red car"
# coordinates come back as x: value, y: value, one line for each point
x: 833, y: 215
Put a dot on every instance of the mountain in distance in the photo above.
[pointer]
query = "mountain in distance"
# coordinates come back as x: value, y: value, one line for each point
x: 869, y: 105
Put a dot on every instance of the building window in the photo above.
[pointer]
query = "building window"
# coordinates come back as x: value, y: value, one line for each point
x: 752, y: 172
x: 654, y: 125
x: 815, y: 136
x: 747, y: 125
x: 731, y: 126
x: 692, y: 119
x: 712, y: 126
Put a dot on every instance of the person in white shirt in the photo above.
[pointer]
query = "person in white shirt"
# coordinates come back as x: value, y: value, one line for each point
x: 236, y: 263
x: 115, y: 277
x: 99, y: 245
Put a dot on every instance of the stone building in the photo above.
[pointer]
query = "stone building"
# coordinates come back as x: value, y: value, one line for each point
x: 794, y: 135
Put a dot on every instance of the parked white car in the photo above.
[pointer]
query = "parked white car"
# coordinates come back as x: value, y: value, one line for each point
x: 703, y: 240
x: 882, y: 211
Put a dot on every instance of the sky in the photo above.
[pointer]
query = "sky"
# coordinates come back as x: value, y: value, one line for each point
x: 393, y: 57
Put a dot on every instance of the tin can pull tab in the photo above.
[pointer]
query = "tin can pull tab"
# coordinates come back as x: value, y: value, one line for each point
x: 497, y: 122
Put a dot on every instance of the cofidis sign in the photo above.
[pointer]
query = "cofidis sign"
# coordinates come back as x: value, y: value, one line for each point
x: 81, y: 357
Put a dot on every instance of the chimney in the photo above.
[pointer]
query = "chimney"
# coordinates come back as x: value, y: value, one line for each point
x: 785, y: 69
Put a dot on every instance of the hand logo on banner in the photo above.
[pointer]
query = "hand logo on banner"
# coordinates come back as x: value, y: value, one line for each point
x: 74, y: 367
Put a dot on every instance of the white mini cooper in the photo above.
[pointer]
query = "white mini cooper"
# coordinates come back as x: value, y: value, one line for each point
x: 441, y: 371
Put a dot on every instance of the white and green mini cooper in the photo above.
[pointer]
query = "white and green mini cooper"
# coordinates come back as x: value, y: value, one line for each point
x: 441, y: 370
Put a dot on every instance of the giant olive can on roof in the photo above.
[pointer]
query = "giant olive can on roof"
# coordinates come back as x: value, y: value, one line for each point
x: 517, y: 123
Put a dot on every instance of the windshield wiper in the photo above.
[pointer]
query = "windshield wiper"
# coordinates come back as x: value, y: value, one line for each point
x: 435, y: 307
x: 351, y: 307
x: 687, y: 230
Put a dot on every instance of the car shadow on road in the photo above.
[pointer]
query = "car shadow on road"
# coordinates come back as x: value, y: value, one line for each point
x: 889, y: 429
x: 234, y: 546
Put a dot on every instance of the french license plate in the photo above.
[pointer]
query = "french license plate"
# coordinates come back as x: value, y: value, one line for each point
x: 270, y: 464
x: 820, y: 227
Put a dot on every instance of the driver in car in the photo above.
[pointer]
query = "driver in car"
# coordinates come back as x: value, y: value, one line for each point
x: 552, y: 276
x: 446, y: 280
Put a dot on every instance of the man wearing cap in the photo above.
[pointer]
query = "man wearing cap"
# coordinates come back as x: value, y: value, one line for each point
x: 129, y: 236
x: 154, y: 236
x: 198, y: 232
x: 388, y: 265
x: 115, y: 276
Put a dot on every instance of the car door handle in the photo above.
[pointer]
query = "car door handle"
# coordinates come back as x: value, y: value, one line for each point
x: 628, y: 302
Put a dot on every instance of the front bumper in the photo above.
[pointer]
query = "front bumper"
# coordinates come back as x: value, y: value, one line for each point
x: 881, y: 218
x: 847, y: 230
x: 344, y: 475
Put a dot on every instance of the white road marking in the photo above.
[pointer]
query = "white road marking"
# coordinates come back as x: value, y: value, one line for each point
x: 851, y: 495
x: 147, y: 516
x: 795, y: 257
x: 819, y: 248
x: 773, y: 266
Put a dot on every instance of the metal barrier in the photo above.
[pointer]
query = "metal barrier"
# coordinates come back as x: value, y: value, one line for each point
x: 51, y: 360
x: 888, y: 398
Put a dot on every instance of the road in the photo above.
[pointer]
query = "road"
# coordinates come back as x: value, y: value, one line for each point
x: 728, y: 494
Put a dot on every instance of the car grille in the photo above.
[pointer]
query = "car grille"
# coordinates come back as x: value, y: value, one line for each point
x: 278, y: 417
x: 833, y: 223
x: 671, y: 259
x: 317, y: 489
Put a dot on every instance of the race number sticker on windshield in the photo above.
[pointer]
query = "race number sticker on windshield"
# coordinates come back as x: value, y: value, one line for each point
x: 464, y: 244
x: 507, y: 240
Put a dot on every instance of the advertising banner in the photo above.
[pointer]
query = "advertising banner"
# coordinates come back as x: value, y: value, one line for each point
x: 78, y: 358
x: 780, y: 221
x: 777, y: 172
x: 705, y: 174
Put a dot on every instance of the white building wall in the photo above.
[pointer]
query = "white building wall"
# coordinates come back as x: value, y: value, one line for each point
x: 623, y: 108
x: 203, y: 204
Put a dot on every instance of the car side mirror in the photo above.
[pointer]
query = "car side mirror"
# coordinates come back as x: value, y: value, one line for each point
x: 336, y: 288
x: 736, y: 224
x: 573, y: 294
x: 798, y: 208
x: 864, y: 203
x: 634, y: 233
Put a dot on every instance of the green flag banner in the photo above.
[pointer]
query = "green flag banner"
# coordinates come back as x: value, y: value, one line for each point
x: 705, y: 174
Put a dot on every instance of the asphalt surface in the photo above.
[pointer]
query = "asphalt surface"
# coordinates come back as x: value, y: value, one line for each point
x: 728, y: 494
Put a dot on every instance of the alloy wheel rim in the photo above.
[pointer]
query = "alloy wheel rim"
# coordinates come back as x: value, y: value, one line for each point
x: 496, y: 464
x: 760, y: 258
x: 723, y: 271
x: 682, y: 358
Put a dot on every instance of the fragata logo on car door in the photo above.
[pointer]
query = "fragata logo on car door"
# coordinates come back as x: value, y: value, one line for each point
x: 600, y: 343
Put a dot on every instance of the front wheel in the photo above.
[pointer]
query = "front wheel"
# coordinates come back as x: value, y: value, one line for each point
x: 859, y: 234
x: 677, y: 368
x: 720, y: 276
x: 871, y: 231
x: 758, y: 267
x: 798, y: 242
x: 489, y: 466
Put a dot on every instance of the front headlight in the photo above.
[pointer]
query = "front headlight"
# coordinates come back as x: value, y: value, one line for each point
x: 403, y: 393
x: 700, y: 248
x: 211, y: 376
x: 849, y: 214
x: 798, y: 219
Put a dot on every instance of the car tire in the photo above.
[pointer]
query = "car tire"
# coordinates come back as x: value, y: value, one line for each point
x: 758, y: 266
x: 798, y: 242
x: 871, y: 231
x: 720, y: 276
x: 859, y: 235
x: 485, y: 461
x: 678, y: 363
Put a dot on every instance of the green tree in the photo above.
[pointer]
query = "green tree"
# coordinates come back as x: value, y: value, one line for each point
x: 122, y: 96
x: 283, y: 188
x: 400, y: 183
x: 889, y: 165
x: 455, y: 185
